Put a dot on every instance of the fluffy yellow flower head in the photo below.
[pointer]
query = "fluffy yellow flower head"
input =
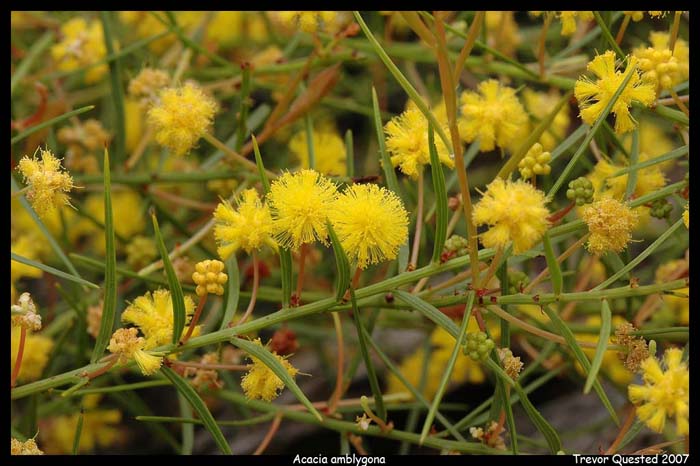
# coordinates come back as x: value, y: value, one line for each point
x: 24, y: 448
x: 24, y: 314
x: 329, y: 150
x: 147, y: 84
x: 127, y: 345
x: 371, y: 223
x: 639, y: 15
x: 612, y: 366
x: 146, y: 25
x: 36, y: 354
x: 593, y: 97
x: 248, y: 228
x: 153, y: 314
x: 225, y: 27
x: 82, y: 45
x: 310, y: 21
x: 209, y: 277
x: 407, y: 141
x: 100, y: 428
x: 649, y: 180
x: 260, y: 382
x: 493, y: 115
x: 465, y: 369
x: 181, y: 117
x: 514, y: 211
x: 664, y: 393
x: 47, y: 182
x: 610, y: 223
x: 300, y: 204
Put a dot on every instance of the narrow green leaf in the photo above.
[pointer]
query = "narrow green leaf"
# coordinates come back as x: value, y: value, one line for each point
x: 568, y: 335
x: 403, y: 82
x: 636, y: 428
x: 643, y: 255
x: 243, y: 107
x: 609, y: 37
x: 603, y: 337
x: 553, y: 265
x: 110, y: 296
x: 415, y: 392
x: 349, y: 154
x: 341, y: 263
x: 117, y: 89
x: 670, y: 114
x: 545, y: 428
x: 187, y: 429
x: 568, y: 142
x: 389, y: 174
x: 184, y: 388
x: 594, y: 129
x: 442, y: 211
x: 544, y: 124
x: 51, y: 270
x: 244, y: 422
x: 286, y: 275
x: 261, y: 168
x: 510, y: 419
x: 428, y: 310
x: 234, y: 291
x: 29, y: 131
x: 267, y: 358
x: 33, y: 53
x: 674, y: 154
x: 447, y: 374
x: 634, y: 159
x: 78, y: 433
x: 371, y: 373
x: 179, y: 315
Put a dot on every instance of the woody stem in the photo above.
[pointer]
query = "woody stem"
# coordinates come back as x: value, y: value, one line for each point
x: 623, y: 430
x: 274, y: 427
x: 254, y: 292
x: 225, y: 367
x: 623, y: 28
x: 103, y: 369
x: 195, y: 319
x: 20, y: 354
x: 337, y: 393
x: 677, y: 100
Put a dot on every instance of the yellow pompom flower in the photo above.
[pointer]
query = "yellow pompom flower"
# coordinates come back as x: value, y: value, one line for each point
x: 47, y: 182
x: 248, y: 228
x: 407, y: 141
x: 146, y: 25
x: 514, y: 211
x: 493, y: 115
x: 146, y: 85
x: 24, y: 448
x: 329, y: 150
x: 300, y: 204
x: 610, y: 223
x: 209, y: 277
x: 260, y: 382
x: 153, y: 314
x: 649, y: 180
x: 593, y: 97
x: 36, y: 354
x: 82, y: 44
x: 466, y: 370
x: 100, y: 428
x: 225, y: 28
x: 371, y: 223
x: 665, y: 393
x: 181, y: 117
x: 568, y: 19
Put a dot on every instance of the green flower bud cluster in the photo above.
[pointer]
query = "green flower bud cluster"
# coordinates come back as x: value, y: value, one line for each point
x: 535, y: 162
x: 516, y: 281
x: 478, y: 346
x: 580, y: 191
x: 456, y: 245
x: 661, y: 208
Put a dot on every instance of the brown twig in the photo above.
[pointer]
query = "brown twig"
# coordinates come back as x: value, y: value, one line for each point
x: 623, y: 430
x: 338, y: 392
x: 274, y: 427
x: 20, y: 355
x: 195, y: 318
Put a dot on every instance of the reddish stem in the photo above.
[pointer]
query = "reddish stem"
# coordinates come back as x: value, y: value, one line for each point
x: 104, y: 369
x: 555, y: 217
x: 195, y: 319
x: 20, y: 354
